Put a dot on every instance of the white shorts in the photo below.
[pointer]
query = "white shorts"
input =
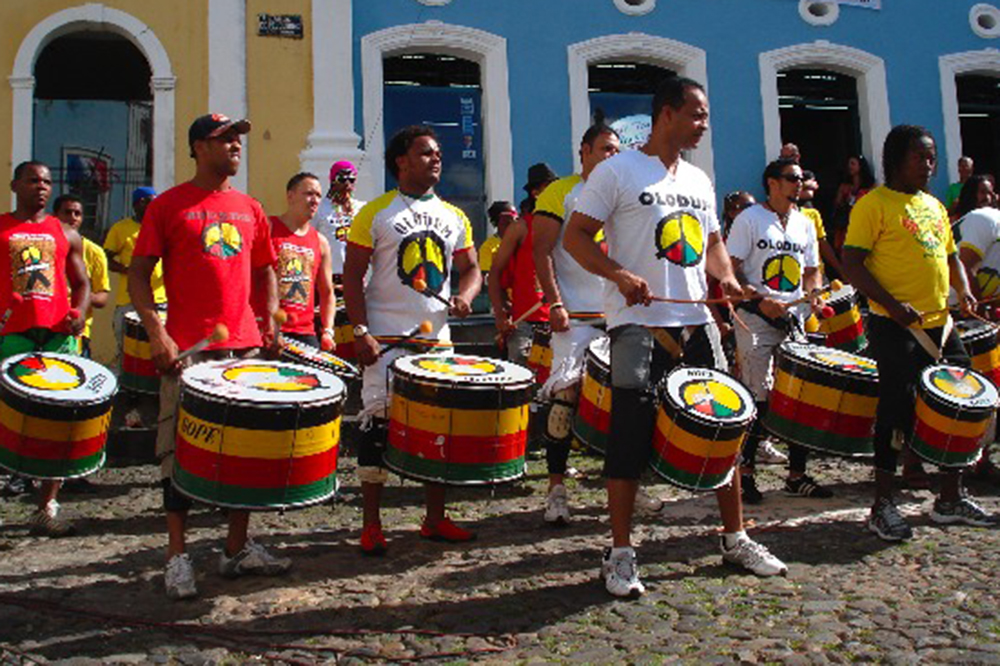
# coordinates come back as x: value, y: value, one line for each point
x: 569, y: 349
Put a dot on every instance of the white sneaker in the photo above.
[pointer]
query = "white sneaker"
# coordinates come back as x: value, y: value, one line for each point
x: 252, y: 560
x: 621, y: 573
x: 179, y: 578
x: 752, y: 556
x: 46, y: 522
x: 767, y: 454
x: 556, y: 506
x: 647, y: 503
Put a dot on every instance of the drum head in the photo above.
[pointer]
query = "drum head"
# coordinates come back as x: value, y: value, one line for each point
x: 308, y: 354
x: 709, y: 395
x: 261, y: 381
x: 833, y: 360
x: 960, y: 387
x: 844, y: 294
x: 971, y: 330
x: 463, y: 369
x: 599, y: 351
x: 52, y: 377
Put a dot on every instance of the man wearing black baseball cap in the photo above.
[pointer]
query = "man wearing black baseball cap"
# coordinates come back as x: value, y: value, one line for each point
x: 212, y: 126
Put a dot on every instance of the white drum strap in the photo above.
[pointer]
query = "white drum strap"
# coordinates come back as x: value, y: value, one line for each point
x: 925, y: 340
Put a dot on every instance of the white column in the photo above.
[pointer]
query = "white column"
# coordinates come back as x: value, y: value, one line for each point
x: 332, y: 137
x: 163, y: 132
x: 23, y: 89
x: 227, y: 69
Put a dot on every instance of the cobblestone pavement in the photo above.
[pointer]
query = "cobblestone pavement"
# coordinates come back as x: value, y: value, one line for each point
x: 522, y: 593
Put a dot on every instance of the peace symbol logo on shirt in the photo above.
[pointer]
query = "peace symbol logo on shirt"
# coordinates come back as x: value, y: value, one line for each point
x: 679, y: 239
x: 422, y: 256
x: 221, y: 239
x: 989, y: 282
x: 782, y: 272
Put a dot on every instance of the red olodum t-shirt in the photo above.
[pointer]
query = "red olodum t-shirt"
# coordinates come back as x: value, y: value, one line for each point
x: 33, y: 263
x: 299, y: 258
x: 210, y: 242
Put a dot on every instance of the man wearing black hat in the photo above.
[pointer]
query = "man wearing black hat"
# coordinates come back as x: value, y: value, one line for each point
x: 215, y: 244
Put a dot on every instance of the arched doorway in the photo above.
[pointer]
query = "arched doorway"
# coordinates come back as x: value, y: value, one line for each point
x: 445, y: 92
x: 621, y: 95
x: 979, y: 119
x: 93, y: 122
x: 819, y: 113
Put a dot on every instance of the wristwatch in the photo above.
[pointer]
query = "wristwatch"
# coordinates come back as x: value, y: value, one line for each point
x: 330, y: 332
x: 360, y: 331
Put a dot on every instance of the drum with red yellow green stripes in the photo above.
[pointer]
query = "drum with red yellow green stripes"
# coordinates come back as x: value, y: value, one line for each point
x: 457, y: 419
x: 139, y: 373
x: 823, y: 399
x: 953, y: 409
x: 254, y: 434
x: 981, y: 343
x: 845, y: 329
x: 343, y: 334
x: 540, y: 355
x: 55, y: 411
x: 593, y: 413
x: 700, y: 426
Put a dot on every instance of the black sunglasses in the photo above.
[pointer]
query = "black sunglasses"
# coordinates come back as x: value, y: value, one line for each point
x: 346, y: 177
x: 793, y: 178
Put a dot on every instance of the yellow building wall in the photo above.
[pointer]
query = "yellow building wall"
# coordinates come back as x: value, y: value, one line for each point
x: 279, y: 101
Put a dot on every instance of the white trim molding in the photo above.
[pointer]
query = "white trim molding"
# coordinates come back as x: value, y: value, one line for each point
x: 97, y: 17
x: 867, y: 69
x: 332, y: 137
x: 486, y: 49
x: 686, y: 60
x: 986, y: 61
x: 635, y: 7
x: 819, y: 12
x: 227, y: 70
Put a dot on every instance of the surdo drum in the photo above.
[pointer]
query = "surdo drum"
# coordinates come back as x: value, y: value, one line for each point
x: 254, y: 434
x: 540, y: 356
x: 593, y: 416
x: 980, y: 342
x: 823, y: 399
x: 954, y: 406
x: 139, y: 373
x: 55, y: 411
x: 700, y: 426
x: 294, y: 351
x: 845, y: 329
x: 458, y: 420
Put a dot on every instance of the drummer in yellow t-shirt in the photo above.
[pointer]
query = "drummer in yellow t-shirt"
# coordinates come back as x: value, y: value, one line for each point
x: 118, y: 246
x: 900, y: 253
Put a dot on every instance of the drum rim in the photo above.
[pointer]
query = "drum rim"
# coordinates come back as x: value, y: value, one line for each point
x: 469, y: 381
x: 47, y: 398
x: 662, y: 390
x: 257, y: 507
x: 350, y: 368
x: 787, y: 344
x: 924, y: 387
x: 339, y: 391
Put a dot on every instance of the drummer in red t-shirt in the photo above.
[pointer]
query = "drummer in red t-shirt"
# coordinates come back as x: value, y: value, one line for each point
x: 215, y: 244
x: 304, y: 265
x: 35, y: 254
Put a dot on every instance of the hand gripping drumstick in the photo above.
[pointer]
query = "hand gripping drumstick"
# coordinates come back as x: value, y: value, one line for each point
x: 15, y: 300
x: 421, y: 286
x: 219, y: 334
x: 424, y: 327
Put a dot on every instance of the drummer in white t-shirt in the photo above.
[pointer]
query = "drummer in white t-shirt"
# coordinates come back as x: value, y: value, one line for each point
x: 657, y: 212
x: 336, y: 212
x: 774, y: 251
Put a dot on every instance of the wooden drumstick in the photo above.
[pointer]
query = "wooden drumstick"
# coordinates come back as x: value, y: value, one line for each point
x: 424, y: 327
x: 219, y: 334
x: 15, y: 300
x: 420, y: 285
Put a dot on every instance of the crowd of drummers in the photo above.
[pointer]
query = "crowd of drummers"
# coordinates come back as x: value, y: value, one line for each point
x: 630, y: 318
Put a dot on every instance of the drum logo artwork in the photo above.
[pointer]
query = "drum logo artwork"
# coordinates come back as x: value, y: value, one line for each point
x: 782, y: 272
x: 957, y: 383
x: 295, y: 271
x: 280, y: 379
x: 458, y: 366
x: 422, y: 255
x: 711, y: 398
x: 679, y: 239
x: 47, y: 374
x: 33, y: 263
x: 221, y: 239
x: 927, y: 227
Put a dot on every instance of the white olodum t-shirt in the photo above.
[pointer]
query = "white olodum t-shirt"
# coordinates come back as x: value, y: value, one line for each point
x: 657, y: 226
x: 774, y: 258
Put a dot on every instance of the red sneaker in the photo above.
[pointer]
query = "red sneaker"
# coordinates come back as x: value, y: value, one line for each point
x: 373, y: 541
x: 446, y: 531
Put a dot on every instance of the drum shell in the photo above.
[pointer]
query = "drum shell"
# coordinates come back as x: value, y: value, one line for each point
x: 981, y: 344
x: 253, y: 455
x: 540, y: 355
x: 694, y: 452
x: 139, y: 373
x: 945, y: 433
x: 343, y: 335
x: 592, y: 422
x: 821, y: 407
x: 845, y: 330
x: 52, y: 439
x: 455, y: 433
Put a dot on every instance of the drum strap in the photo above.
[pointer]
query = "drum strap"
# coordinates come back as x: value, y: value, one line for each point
x: 753, y: 307
x: 935, y: 351
x: 674, y: 347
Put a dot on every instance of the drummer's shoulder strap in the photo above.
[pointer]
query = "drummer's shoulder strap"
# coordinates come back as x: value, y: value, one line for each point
x: 667, y: 341
x: 933, y: 350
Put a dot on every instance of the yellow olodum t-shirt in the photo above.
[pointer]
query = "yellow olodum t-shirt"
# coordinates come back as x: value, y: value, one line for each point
x: 908, y: 240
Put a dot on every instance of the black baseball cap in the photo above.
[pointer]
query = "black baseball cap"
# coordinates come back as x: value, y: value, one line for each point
x: 212, y: 125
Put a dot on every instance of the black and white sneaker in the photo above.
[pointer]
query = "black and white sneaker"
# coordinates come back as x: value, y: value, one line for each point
x: 806, y: 486
x: 886, y: 521
x: 964, y: 512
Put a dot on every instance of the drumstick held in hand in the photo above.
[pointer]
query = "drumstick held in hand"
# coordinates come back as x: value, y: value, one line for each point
x: 424, y: 327
x: 15, y: 300
x: 421, y: 286
x: 219, y: 334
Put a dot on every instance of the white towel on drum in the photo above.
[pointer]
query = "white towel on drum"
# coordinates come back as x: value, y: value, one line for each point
x: 569, y: 348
